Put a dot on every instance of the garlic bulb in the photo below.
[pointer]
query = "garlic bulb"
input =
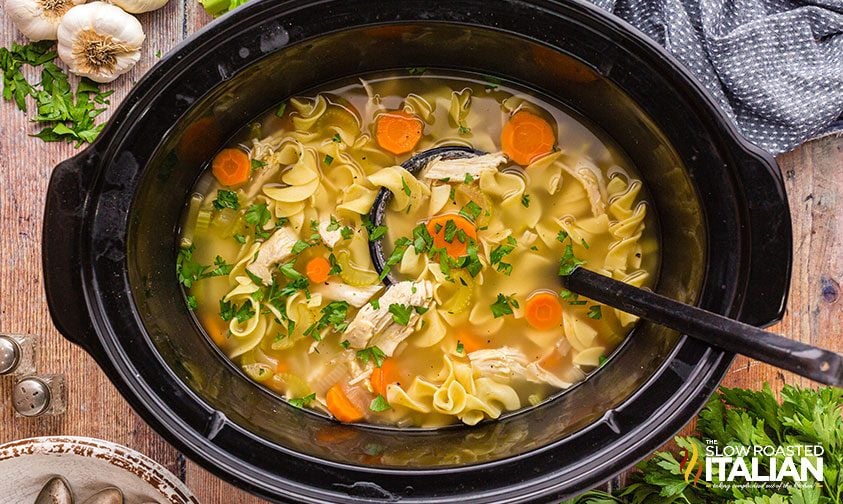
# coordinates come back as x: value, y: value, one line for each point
x: 99, y: 41
x: 138, y: 6
x: 38, y: 19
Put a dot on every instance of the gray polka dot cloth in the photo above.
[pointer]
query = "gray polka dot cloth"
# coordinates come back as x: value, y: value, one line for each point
x: 775, y: 66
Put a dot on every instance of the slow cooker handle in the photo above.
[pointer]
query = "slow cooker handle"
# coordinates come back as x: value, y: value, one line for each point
x: 771, y: 240
x: 67, y: 197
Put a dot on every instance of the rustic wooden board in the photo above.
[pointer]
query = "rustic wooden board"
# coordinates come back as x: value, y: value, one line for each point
x: 95, y: 409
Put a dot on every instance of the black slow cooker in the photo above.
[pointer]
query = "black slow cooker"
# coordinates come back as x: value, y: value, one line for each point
x: 113, y: 213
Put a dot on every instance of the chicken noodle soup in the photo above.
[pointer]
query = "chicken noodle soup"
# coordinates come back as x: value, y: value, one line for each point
x: 468, y: 319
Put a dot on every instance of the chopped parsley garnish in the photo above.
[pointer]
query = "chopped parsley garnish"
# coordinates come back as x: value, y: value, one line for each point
x: 336, y: 138
x: 333, y: 225
x: 450, y: 231
x: 226, y: 199
x: 373, y: 354
x: 346, y: 232
x: 460, y: 347
x: 602, y: 360
x: 468, y: 179
x: 301, y: 402
x: 421, y: 310
x: 192, y: 304
x: 336, y: 269
x: 525, y: 200
x: 328, y: 159
x: 584, y: 243
x: 242, y: 313
x: 401, y: 313
x: 503, y: 305
x: 562, y: 236
x: 257, y: 164
x: 379, y: 404
x: 405, y: 187
x: 222, y: 268
x: 464, y: 130
x: 377, y: 233
x: 345, y: 344
x: 416, y: 70
x: 492, y: 83
x: 595, y: 312
x: 239, y: 238
x: 568, y: 295
x: 333, y: 314
x: 257, y: 215
x: 499, y: 252
x: 422, y: 241
x: 471, y: 211
x: 256, y: 279
x: 569, y: 262
x: 299, y: 247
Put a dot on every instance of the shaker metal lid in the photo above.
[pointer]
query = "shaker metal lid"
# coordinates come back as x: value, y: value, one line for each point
x: 9, y: 355
x: 31, y: 397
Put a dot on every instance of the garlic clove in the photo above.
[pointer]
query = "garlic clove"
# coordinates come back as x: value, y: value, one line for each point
x: 100, y: 41
x: 38, y: 19
x: 138, y: 6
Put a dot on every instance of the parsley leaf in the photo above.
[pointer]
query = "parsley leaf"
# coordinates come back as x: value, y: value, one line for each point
x: 379, y: 404
x: 569, y: 262
x: 401, y: 313
x: 301, y: 402
x: 333, y: 314
x: 499, y: 252
x: 595, y: 312
x: 471, y: 211
x: 328, y: 159
x: 257, y: 164
x: 525, y: 200
x: 226, y: 199
x: 405, y: 187
x: 373, y: 354
x: 503, y: 305
x: 257, y: 215
x: 460, y: 347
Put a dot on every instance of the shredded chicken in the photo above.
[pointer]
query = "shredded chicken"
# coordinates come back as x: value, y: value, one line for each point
x: 337, y: 291
x: 508, y: 363
x: 457, y: 169
x: 376, y: 327
x: 278, y: 247
x: 330, y: 238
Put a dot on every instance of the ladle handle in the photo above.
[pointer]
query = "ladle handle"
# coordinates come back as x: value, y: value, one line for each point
x: 805, y: 360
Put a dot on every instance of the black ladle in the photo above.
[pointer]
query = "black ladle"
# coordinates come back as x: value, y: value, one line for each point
x: 820, y: 365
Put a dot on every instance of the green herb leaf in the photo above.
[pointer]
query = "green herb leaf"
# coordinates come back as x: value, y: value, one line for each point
x: 595, y: 312
x: 192, y: 303
x: 346, y: 232
x: 401, y: 313
x: 471, y: 211
x: 257, y: 215
x: 301, y: 402
x: 569, y: 262
x: 525, y: 200
x: 336, y: 138
x: 373, y: 354
x: 299, y: 247
x: 333, y: 314
x: 328, y: 159
x: 460, y: 347
x: 226, y: 199
x: 405, y: 187
x: 379, y: 404
x: 503, y: 306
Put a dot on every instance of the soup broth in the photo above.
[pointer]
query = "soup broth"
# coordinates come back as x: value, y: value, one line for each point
x: 468, y: 319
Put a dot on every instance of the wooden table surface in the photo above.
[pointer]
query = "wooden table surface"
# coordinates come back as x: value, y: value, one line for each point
x: 812, y: 173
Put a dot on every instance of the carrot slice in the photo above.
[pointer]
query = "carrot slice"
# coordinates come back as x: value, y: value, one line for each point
x: 340, y: 406
x: 439, y: 229
x: 398, y: 132
x: 543, y: 311
x: 318, y: 269
x: 526, y: 136
x: 384, y: 375
x: 231, y: 167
